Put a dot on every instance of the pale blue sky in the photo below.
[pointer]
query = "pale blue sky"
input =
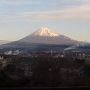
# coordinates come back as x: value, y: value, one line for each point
x: 19, y: 18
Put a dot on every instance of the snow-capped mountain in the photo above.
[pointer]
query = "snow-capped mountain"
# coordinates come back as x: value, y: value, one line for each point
x: 44, y: 31
x: 46, y: 36
x: 43, y: 39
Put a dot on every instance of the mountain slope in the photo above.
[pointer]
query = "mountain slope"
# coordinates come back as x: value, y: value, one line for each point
x: 47, y: 36
x: 3, y: 42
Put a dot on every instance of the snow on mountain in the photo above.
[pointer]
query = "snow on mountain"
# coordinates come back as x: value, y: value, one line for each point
x: 46, y: 36
x: 44, y: 31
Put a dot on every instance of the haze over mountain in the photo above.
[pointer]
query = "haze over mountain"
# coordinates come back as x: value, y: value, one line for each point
x: 3, y: 42
x: 45, y: 35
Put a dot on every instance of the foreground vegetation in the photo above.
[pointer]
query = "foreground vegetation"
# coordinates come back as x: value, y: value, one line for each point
x: 45, y: 72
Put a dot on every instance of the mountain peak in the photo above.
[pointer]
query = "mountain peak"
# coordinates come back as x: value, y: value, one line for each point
x: 44, y: 31
x: 45, y: 35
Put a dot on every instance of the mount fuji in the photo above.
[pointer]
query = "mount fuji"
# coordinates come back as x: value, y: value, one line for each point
x: 43, y: 39
x: 45, y: 35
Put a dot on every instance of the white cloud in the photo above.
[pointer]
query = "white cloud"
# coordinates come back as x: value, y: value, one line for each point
x: 78, y: 13
x: 81, y: 12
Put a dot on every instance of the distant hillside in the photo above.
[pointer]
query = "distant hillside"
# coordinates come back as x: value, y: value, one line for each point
x: 4, y: 42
